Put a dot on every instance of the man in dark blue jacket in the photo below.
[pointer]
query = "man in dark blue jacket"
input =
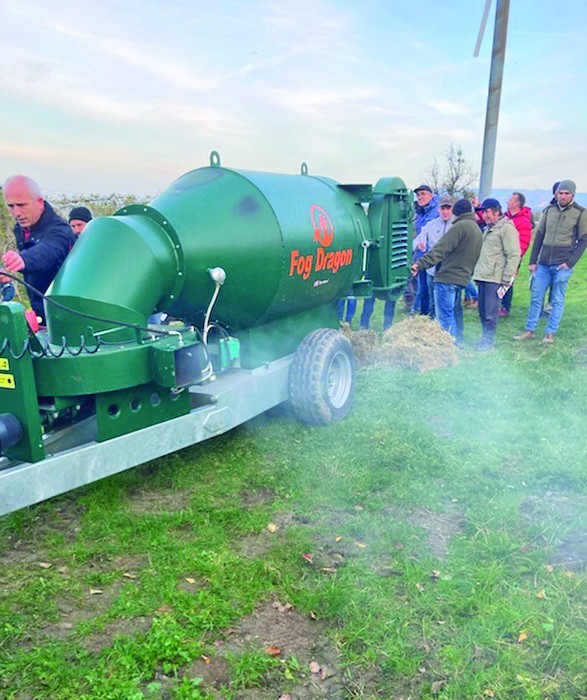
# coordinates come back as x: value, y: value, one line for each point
x: 43, y: 238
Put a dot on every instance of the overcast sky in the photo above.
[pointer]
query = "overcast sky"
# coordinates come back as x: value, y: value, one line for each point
x: 126, y: 95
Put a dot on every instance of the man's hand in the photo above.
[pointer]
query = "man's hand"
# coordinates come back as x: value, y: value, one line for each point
x: 13, y: 262
x: 564, y: 266
x: 415, y: 269
x: 532, y: 268
x: 4, y: 279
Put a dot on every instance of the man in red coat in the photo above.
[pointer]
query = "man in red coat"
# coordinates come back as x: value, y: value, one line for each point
x: 521, y: 217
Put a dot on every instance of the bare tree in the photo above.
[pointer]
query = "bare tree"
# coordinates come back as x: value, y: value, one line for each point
x: 454, y: 176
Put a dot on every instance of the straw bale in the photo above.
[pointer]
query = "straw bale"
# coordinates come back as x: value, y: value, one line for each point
x: 365, y: 344
x: 418, y: 343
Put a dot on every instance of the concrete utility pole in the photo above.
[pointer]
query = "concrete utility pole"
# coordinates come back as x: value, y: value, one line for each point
x: 494, y: 95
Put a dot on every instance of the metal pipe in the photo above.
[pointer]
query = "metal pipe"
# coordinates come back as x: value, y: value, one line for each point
x: 494, y: 97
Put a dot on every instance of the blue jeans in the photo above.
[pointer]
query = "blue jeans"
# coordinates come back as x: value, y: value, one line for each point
x: 545, y: 275
x: 350, y: 309
x: 421, y: 299
x: 431, y: 310
x: 388, y: 313
x: 445, y: 302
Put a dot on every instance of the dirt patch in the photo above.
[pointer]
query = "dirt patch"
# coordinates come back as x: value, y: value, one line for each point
x: 571, y: 552
x: 258, y: 544
x: 296, y: 636
x: 254, y: 499
x: 157, y: 502
x: 441, y: 528
x: 563, y: 514
x: 128, y: 628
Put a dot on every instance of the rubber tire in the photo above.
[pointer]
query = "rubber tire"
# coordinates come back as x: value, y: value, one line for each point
x: 322, y: 377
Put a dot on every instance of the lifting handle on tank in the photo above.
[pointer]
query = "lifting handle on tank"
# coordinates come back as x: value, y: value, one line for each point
x: 215, y: 159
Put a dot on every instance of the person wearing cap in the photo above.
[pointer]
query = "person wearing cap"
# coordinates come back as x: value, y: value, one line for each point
x: 496, y: 268
x: 429, y: 236
x: 43, y: 238
x: 458, y: 251
x: 521, y: 217
x: 79, y: 218
x: 560, y: 241
x: 425, y: 210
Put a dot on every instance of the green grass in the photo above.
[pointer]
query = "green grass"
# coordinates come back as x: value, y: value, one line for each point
x: 440, y: 516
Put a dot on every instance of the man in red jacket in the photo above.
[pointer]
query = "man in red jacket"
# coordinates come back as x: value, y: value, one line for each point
x: 521, y: 217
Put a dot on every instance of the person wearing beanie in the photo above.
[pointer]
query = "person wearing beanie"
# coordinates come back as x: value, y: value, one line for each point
x: 496, y: 268
x: 458, y: 251
x: 79, y: 218
x: 561, y: 239
x: 425, y: 210
x: 429, y: 236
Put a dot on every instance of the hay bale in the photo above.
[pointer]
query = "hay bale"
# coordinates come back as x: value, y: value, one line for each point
x: 418, y: 343
x: 365, y: 344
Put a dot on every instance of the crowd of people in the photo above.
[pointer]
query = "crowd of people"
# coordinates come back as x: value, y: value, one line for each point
x: 460, y: 247
x: 475, y: 249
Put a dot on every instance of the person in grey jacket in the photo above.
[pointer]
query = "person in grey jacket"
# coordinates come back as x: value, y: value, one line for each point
x: 496, y: 268
x: 429, y: 236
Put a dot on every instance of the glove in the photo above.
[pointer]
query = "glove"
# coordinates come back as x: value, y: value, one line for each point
x: 13, y: 262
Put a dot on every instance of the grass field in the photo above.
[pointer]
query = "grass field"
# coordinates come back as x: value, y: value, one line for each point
x: 432, y: 545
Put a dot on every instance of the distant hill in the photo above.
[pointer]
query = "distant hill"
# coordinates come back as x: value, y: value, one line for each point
x: 535, y: 199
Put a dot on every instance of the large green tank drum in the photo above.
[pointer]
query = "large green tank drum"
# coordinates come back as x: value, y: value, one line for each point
x: 288, y: 244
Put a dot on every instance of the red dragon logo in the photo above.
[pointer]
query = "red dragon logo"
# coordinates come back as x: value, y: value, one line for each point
x: 323, y: 228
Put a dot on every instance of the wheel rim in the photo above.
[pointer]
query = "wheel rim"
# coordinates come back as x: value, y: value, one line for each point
x: 340, y: 379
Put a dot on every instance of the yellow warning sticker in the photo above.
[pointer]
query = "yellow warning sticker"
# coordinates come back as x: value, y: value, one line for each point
x: 7, y: 381
x: 4, y: 364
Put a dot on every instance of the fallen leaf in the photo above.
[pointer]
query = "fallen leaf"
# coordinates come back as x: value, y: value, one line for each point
x: 205, y: 659
x: 549, y: 568
x: 313, y: 615
x: 191, y: 580
x: 541, y: 594
x: 420, y: 587
x: 96, y: 591
x: 437, y: 686
x: 325, y: 673
x: 308, y: 557
x: 329, y: 569
x: 128, y: 575
x: 63, y: 570
x: 218, y: 643
x: 281, y: 607
x: 488, y: 693
x: 163, y: 610
x: 273, y: 651
x: 314, y: 667
x: 522, y: 637
x: 361, y: 545
x: 434, y: 574
x: 338, y: 538
x: 272, y: 527
x: 45, y: 565
x: 285, y: 697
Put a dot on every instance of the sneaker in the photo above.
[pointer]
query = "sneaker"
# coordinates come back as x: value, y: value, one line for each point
x: 548, y: 339
x: 526, y: 335
x: 504, y: 312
